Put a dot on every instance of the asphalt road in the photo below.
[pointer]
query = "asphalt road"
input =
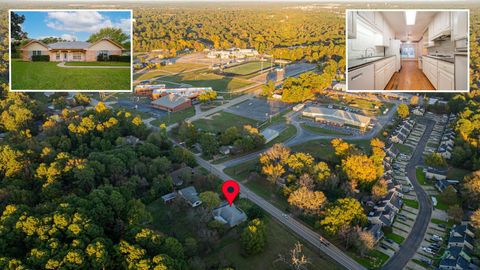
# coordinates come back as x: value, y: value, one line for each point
x: 417, y: 232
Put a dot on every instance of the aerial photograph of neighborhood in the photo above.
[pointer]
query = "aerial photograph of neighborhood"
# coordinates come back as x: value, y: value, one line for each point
x: 238, y: 135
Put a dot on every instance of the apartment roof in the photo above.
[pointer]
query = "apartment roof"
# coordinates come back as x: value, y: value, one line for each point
x: 335, y: 115
x: 170, y: 101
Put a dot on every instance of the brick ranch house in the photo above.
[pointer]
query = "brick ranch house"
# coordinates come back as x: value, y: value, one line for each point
x: 79, y: 51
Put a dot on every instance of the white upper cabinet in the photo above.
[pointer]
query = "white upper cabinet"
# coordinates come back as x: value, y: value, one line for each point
x: 459, y: 25
x: 369, y: 16
x: 378, y: 21
x: 441, y: 24
x: 352, y: 24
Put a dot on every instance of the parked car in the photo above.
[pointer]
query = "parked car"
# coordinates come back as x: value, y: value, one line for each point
x: 427, y: 261
x: 389, y: 240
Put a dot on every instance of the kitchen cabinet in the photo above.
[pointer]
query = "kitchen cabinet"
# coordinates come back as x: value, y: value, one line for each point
x: 441, y: 24
x: 445, y: 76
x: 369, y: 16
x: 384, y: 71
x: 430, y: 69
x: 378, y: 20
x: 362, y: 78
x: 459, y: 25
x: 352, y: 24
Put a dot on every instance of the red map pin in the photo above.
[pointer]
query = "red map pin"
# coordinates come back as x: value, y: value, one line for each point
x: 230, y: 190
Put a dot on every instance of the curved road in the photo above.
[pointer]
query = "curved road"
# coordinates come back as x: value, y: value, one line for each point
x: 417, y: 232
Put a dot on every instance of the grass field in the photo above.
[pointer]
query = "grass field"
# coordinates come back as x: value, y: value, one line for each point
x: 411, y: 203
x: 47, y: 76
x: 322, y: 149
x: 321, y: 130
x: 420, y: 175
x: 220, y: 121
x: 97, y: 64
x: 373, y: 260
x: 174, y: 117
x: 170, y: 69
x: 247, y: 68
x: 395, y: 237
x: 407, y: 150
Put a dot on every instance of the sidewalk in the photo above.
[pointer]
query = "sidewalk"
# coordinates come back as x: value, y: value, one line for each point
x: 62, y: 65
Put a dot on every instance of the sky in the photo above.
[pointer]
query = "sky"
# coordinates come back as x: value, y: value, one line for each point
x: 72, y: 25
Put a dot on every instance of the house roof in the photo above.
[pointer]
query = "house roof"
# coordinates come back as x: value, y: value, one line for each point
x: 230, y: 215
x: 170, y: 101
x: 69, y: 45
x: 340, y: 116
x: 190, y: 194
x: 72, y: 45
x: 178, y: 175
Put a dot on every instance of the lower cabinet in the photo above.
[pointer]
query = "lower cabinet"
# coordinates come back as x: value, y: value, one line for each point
x: 445, y: 80
x: 361, y: 79
x: 380, y: 79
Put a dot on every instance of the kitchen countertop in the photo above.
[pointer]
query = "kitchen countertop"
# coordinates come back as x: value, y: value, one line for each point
x: 446, y: 59
x: 358, y: 63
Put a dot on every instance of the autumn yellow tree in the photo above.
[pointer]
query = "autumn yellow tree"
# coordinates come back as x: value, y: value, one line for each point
x: 310, y: 202
x: 359, y: 168
x: 379, y: 190
x: 471, y: 189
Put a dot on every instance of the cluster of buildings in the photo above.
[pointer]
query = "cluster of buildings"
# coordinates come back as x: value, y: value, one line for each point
x: 232, y: 53
x: 385, y: 209
x: 337, y: 117
x: 447, y: 141
x: 459, y: 252
x: 401, y: 132
x: 229, y: 215
x: 170, y: 99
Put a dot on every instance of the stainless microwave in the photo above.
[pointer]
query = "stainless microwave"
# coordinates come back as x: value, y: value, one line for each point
x: 461, y: 45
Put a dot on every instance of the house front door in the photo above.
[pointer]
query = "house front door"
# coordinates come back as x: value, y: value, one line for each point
x: 65, y: 57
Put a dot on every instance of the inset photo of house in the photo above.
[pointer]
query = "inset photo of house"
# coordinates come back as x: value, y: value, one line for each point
x: 71, y: 50
x: 408, y: 50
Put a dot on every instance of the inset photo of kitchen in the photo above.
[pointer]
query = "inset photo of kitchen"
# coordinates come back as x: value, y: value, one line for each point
x: 407, y: 50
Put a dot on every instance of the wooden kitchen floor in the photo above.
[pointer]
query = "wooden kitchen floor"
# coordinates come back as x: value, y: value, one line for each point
x: 410, y: 77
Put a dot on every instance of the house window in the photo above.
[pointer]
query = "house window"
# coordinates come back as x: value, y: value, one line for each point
x: 36, y: 52
x: 77, y: 56
x: 103, y: 52
x: 57, y: 56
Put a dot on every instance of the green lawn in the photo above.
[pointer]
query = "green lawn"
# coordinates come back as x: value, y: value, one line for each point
x: 395, y: 237
x: 200, y: 78
x: 441, y: 205
x: 407, y: 150
x: 167, y: 70
x: 373, y: 260
x: 279, y: 241
x: 242, y: 170
x: 322, y: 149
x: 322, y: 130
x: 220, y: 121
x: 286, y: 134
x: 247, y: 68
x: 457, y: 173
x: 420, y: 175
x: 411, y: 203
x: 47, y: 76
x: 97, y: 63
x: 174, y: 117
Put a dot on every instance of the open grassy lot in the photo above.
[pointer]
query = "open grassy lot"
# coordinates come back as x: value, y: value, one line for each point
x: 174, y: 221
x: 169, y: 69
x: 247, y: 68
x: 373, y: 260
x: 174, y: 117
x: 47, y: 76
x: 322, y: 149
x: 279, y: 241
x: 104, y: 63
x: 205, y: 79
x: 322, y: 130
x: 457, y: 173
x: 220, y: 121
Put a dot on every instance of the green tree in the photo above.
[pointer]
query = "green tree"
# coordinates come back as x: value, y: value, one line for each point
x: 209, y: 199
x: 253, y: 238
x: 435, y: 160
x: 115, y: 34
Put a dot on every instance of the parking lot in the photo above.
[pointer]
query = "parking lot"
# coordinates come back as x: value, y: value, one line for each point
x: 258, y: 109
x: 141, y: 105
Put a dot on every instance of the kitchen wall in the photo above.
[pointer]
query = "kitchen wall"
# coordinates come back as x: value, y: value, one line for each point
x: 444, y: 46
x: 365, y: 39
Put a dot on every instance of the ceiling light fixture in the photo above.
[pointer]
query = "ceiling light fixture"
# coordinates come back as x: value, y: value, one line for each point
x: 410, y: 16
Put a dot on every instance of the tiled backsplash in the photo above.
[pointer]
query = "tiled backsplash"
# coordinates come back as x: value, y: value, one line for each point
x: 444, y: 46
